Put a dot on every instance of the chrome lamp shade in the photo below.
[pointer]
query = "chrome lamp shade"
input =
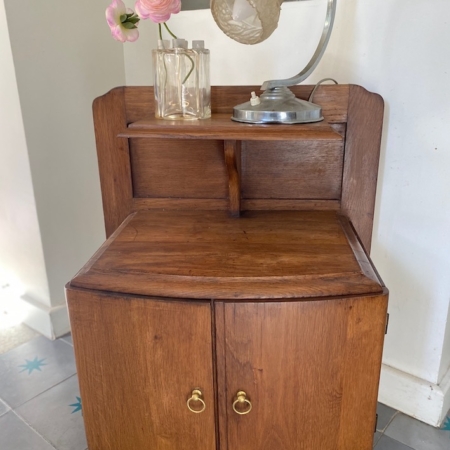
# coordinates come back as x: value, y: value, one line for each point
x: 251, y: 22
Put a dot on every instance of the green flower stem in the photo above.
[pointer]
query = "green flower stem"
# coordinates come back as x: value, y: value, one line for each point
x: 160, y: 31
x: 168, y: 29
x: 190, y: 59
x: 192, y: 68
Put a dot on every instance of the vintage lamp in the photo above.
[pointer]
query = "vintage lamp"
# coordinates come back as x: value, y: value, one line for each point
x: 251, y: 22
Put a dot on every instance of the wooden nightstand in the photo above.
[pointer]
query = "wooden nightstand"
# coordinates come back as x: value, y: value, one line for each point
x: 233, y: 305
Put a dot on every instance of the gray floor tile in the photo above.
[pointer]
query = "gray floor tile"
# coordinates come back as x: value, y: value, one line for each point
x: 418, y: 435
x: 16, y: 435
x: 34, y: 367
x: 4, y: 408
x: 387, y: 443
x: 67, y: 338
x: 376, y: 437
x: 385, y: 415
x: 52, y: 416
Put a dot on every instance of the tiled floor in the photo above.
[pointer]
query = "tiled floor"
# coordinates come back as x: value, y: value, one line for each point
x: 40, y: 405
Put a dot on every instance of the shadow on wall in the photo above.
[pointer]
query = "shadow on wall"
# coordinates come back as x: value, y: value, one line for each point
x: 381, y: 172
x: 407, y: 292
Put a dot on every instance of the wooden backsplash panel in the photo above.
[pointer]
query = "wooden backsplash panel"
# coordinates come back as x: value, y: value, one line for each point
x: 168, y: 168
x: 140, y: 101
x: 292, y: 170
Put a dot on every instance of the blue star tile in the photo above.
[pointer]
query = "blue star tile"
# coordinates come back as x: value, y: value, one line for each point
x: 36, y: 364
x: 77, y: 405
x: 55, y: 360
x: 446, y: 425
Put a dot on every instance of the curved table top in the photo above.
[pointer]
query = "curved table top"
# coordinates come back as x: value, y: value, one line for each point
x: 209, y: 255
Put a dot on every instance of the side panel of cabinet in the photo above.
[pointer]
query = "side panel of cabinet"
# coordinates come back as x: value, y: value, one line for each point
x: 310, y: 369
x: 138, y: 360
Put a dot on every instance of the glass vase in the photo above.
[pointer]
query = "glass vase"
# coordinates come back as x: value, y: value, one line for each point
x: 181, y: 82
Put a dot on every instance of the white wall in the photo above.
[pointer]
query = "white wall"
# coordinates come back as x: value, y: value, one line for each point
x: 233, y: 63
x: 64, y: 57
x: 399, y: 49
x: 401, y: 52
x: 21, y: 256
x: 403, y: 56
x: 138, y: 55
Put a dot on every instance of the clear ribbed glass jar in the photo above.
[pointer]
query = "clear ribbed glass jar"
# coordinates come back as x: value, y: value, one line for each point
x: 181, y: 82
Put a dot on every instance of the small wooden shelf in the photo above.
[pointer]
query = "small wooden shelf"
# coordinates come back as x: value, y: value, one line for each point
x: 218, y: 164
x: 220, y: 126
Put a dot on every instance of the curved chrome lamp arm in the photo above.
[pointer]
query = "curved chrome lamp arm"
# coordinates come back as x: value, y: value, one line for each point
x: 307, y: 71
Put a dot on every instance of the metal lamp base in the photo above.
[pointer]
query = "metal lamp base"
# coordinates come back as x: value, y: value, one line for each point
x: 278, y: 105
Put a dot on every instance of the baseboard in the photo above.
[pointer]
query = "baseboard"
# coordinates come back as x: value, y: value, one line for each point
x: 52, y: 322
x: 415, y: 397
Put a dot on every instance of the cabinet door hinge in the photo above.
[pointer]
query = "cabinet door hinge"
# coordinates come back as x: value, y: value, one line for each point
x: 387, y: 323
x: 376, y: 423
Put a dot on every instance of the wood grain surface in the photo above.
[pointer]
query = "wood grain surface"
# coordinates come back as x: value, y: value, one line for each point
x: 277, y: 204
x: 292, y: 170
x: 363, y: 354
x: 138, y: 360
x: 353, y: 118
x: 232, y: 150
x: 364, y: 261
x: 207, y: 254
x: 206, y: 204
x: 333, y: 99
x: 310, y: 369
x: 164, y: 168
x: 220, y: 126
x: 362, y: 153
x: 113, y: 158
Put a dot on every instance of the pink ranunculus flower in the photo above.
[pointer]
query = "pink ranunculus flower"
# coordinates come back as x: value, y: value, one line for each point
x: 157, y: 10
x: 119, y: 30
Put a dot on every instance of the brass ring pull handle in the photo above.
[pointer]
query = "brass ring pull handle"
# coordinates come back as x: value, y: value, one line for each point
x: 242, y: 400
x: 196, y: 397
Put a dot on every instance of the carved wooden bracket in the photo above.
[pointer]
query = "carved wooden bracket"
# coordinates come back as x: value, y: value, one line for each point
x: 232, y: 150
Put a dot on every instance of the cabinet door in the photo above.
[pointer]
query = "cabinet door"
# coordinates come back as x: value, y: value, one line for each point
x: 309, y: 369
x: 138, y: 360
